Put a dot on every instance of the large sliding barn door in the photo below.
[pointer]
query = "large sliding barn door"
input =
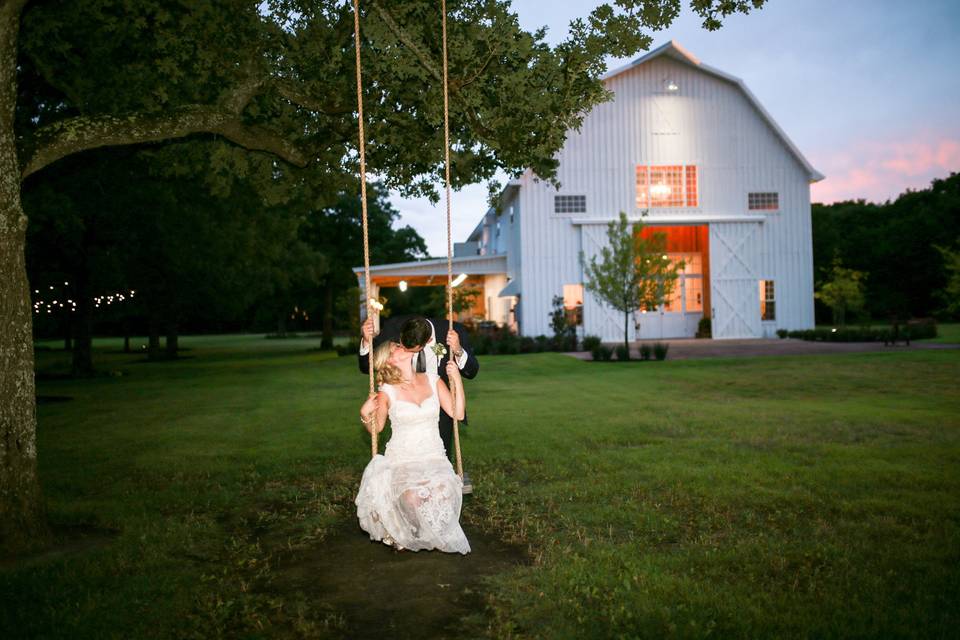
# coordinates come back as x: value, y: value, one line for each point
x: 734, y: 292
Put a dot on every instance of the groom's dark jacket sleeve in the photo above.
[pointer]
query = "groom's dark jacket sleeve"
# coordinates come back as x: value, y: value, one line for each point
x: 472, y: 367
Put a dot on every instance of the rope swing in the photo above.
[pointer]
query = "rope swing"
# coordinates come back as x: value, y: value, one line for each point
x: 374, y: 447
x: 373, y: 306
x: 446, y: 151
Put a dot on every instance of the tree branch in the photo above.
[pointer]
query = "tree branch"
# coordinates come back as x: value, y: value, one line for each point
x: 81, y: 133
x: 427, y: 62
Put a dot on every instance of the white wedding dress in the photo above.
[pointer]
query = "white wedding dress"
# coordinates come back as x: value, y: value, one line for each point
x: 410, y: 497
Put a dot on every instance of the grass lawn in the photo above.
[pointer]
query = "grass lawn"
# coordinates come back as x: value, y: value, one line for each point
x: 804, y: 496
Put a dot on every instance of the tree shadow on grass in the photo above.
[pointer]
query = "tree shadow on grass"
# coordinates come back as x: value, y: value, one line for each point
x: 373, y: 591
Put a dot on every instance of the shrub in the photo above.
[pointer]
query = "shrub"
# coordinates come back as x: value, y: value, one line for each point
x: 543, y: 343
x: 660, y: 350
x: 703, y: 328
x: 913, y: 330
x: 602, y: 353
x: 564, y: 342
x: 528, y: 345
x: 645, y: 351
x: 782, y: 333
x: 623, y: 353
x: 351, y: 348
x: 589, y: 342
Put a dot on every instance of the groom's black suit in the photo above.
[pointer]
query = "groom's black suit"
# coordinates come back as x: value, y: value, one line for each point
x: 390, y: 330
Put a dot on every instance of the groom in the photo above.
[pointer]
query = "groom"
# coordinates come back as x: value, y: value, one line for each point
x: 418, y: 335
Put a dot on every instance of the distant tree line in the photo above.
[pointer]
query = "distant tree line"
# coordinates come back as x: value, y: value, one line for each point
x: 906, y: 248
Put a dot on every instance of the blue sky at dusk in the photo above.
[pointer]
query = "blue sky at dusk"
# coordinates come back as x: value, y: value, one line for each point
x: 867, y: 89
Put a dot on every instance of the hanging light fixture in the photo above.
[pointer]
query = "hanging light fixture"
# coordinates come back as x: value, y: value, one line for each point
x: 403, y: 285
x: 458, y: 280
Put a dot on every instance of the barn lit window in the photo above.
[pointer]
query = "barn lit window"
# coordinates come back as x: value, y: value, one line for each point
x: 569, y: 204
x: 573, y: 303
x: 667, y: 186
x: 767, y: 301
x: 763, y: 201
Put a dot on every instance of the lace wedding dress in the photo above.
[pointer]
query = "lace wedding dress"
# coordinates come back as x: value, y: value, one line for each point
x: 410, y: 497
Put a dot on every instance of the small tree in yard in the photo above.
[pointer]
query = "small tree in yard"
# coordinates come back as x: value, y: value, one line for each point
x: 843, y: 292
x: 564, y: 334
x: 633, y: 272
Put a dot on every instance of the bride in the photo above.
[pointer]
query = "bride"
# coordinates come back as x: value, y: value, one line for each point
x: 410, y: 497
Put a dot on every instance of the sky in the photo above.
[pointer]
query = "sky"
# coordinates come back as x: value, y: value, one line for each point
x: 868, y: 90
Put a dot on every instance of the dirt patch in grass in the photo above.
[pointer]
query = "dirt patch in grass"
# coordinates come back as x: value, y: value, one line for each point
x: 373, y: 591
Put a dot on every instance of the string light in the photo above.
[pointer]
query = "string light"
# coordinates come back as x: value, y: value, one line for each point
x: 41, y: 305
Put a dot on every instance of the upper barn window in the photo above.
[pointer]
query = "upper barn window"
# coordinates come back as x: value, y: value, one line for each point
x: 569, y: 204
x: 764, y: 201
x: 667, y: 186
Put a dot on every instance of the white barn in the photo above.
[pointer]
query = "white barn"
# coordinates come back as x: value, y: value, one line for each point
x: 691, y: 147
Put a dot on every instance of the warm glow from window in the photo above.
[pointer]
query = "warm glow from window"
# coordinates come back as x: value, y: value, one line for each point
x: 573, y: 303
x: 767, y: 301
x: 694, y: 291
x: 667, y: 186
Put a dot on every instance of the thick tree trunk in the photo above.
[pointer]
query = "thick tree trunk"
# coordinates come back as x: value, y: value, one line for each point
x: 173, y: 342
x: 68, y: 330
x: 22, y: 520
x: 327, y: 341
x: 126, y: 335
x: 83, y: 342
x: 153, y: 330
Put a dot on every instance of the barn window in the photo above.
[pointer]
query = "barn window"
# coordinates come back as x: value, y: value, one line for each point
x: 573, y: 303
x: 767, y: 301
x: 763, y: 201
x: 569, y: 204
x: 667, y: 186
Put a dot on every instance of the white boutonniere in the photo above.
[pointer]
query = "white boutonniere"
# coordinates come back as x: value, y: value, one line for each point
x: 439, y: 349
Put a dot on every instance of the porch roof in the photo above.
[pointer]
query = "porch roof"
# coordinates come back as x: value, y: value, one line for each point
x: 433, y: 272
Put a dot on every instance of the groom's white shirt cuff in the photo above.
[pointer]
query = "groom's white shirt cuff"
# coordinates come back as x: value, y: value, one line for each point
x: 363, y: 348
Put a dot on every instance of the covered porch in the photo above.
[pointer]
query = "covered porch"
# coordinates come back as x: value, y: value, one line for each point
x: 483, y: 276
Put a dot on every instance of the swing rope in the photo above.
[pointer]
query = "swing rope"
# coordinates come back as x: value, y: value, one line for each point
x: 374, y: 447
x: 446, y: 150
x: 363, y: 206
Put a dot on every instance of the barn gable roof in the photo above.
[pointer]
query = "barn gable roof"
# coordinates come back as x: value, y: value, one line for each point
x: 673, y: 50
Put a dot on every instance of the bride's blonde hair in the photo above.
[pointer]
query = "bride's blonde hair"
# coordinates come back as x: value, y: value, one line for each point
x: 386, y: 372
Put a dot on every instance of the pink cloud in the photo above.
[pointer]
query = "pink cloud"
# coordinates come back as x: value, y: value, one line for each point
x: 881, y: 170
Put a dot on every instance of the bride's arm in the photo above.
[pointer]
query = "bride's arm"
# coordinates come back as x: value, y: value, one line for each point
x: 377, y: 406
x: 446, y: 398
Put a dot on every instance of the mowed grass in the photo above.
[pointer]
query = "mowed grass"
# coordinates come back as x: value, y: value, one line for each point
x: 805, y: 496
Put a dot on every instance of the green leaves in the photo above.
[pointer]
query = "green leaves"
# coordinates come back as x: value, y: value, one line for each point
x: 512, y: 96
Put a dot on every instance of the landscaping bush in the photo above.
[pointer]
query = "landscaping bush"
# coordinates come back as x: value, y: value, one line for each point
x: 913, y: 330
x: 528, y: 345
x: 623, y: 353
x: 782, y: 333
x: 566, y: 342
x: 351, y: 348
x: 602, y: 353
x: 543, y: 343
x: 660, y: 350
x: 703, y: 328
x: 645, y: 351
x: 589, y: 342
